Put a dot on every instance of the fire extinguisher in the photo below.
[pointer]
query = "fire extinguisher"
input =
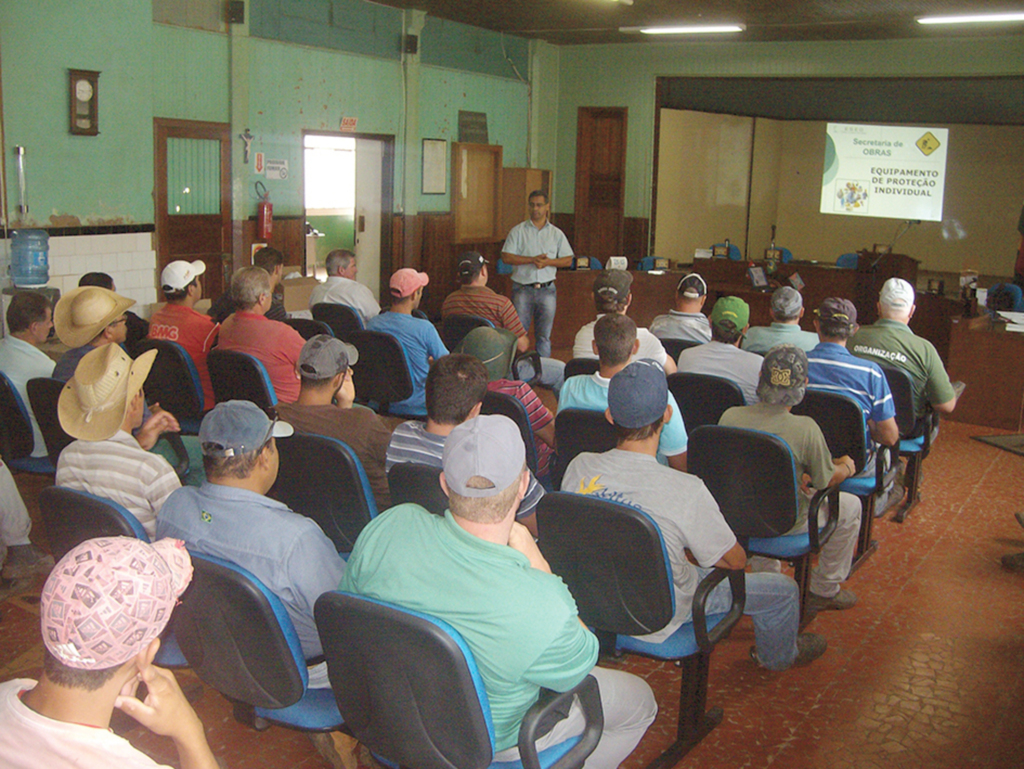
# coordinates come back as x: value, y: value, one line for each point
x: 265, y: 213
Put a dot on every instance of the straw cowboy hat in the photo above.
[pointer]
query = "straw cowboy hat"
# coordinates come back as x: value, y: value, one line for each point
x: 94, y: 402
x: 82, y: 313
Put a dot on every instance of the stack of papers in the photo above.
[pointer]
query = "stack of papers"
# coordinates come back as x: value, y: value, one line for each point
x: 1014, y: 320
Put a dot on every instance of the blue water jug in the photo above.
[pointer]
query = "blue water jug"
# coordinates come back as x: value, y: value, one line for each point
x: 30, y: 265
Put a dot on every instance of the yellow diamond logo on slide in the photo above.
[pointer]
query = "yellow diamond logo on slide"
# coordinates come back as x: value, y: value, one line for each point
x: 927, y: 143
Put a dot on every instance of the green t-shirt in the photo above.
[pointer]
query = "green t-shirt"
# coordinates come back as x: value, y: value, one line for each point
x: 893, y: 343
x: 521, y: 623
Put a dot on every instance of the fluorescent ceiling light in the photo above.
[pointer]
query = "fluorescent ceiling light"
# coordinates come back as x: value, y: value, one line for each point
x: 705, y: 29
x: 991, y: 18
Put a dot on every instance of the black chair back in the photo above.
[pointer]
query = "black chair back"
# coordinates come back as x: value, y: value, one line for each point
x: 16, y: 438
x: 675, y: 346
x: 750, y: 474
x: 173, y: 382
x: 403, y: 684
x: 612, y: 559
x: 414, y: 482
x: 511, y: 407
x: 902, y: 388
x: 323, y: 479
x: 71, y: 517
x: 703, y: 398
x: 342, y: 319
x: 240, y: 376
x: 309, y: 328
x: 382, y: 374
x: 43, y: 394
x: 841, y: 421
x: 229, y: 627
x: 455, y: 327
x: 576, y: 431
x: 578, y: 366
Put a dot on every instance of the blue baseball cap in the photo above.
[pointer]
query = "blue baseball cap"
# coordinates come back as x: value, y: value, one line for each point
x: 638, y: 394
x: 238, y: 427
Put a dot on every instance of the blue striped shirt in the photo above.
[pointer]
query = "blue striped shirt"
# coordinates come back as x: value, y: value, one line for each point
x: 833, y: 368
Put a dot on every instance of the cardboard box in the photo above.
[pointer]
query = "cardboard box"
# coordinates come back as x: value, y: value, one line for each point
x: 296, y: 292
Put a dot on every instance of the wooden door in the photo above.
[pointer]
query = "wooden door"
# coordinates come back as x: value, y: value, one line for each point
x: 193, y: 196
x: 600, y: 181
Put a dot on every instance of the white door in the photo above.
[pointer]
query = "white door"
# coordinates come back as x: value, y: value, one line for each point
x: 369, y: 163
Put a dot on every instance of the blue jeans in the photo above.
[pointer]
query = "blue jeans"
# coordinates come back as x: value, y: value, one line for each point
x: 552, y: 373
x: 773, y: 601
x: 537, y: 306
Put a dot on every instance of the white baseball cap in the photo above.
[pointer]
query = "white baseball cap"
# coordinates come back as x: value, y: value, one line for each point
x: 897, y: 294
x: 180, y: 273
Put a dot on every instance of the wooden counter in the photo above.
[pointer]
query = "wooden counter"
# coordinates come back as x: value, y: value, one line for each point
x: 990, y: 361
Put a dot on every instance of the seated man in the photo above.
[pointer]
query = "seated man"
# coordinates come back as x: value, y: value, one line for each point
x: 29, y: 320
x: 890, y: 341
x: 19, y: 558
x: 612, y: 296
x: 137, y: 328
x: 615, y: 343
x: 786, y: 309
x: 686, y: 321
x: 475, y: 298
x: 491, y: 346
x: 455, y: 391
x: 480, y: 571
x: 418, y: 337
x: 325, y: 407
x: 86, y: 318
x: 341, y: 286
x: 101, y: 406
x: 271, y: 260
x: 179, y: 322
x: 782, y: 385
x: 722, y: 356
x: 277, y: 345
x: 102, y: 611
x: 689, y: 519
x: 231, y: 517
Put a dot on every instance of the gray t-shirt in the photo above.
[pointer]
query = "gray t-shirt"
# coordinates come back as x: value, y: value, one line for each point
x: 726, y: 361
x: 679, y: 503
x: 688, y: 326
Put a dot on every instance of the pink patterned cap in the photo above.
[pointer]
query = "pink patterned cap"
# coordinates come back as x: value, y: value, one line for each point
x: 109, y: 597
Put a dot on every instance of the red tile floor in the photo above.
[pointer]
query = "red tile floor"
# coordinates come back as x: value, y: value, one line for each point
x: 926, y: 671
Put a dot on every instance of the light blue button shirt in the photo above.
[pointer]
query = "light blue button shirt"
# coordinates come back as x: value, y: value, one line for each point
x: 526, y: 240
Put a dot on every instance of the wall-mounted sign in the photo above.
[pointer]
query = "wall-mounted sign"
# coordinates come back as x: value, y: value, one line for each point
x: 260, y: 166
x: 277, y: 169
x: 349, y: 123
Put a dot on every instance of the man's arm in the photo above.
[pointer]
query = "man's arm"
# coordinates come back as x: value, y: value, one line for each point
x: 516, y: 259
x: 678, y: 462
x: 520, y: 538
x: 670, y: 365
x: 945, y: 408
x: 885, y: 432
x: 844, y: 468
x: 562, y: 261
x: 736, y: 558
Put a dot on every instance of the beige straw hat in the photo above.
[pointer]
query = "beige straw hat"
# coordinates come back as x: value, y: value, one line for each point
x: 82, y: 313
x: 93, y: 403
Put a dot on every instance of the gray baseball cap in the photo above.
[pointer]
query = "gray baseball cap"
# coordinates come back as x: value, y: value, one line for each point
x: 612, y: 285
x: 787, y: 302
x: 783, y: 376
x: 238, y: 427
x: 638, y: 394
x: 489, y: 447
x: 323, y: 357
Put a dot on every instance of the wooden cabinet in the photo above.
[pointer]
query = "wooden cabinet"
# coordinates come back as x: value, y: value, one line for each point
x: 516, y: 185
x: 476, y: 193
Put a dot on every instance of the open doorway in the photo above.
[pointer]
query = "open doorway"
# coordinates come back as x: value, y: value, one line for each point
x: 349, y: 194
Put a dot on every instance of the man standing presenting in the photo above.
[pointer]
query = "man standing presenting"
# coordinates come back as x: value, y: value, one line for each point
x: 536, y: 248
x: 341, y: 286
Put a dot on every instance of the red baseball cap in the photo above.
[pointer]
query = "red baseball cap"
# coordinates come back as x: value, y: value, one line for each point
x: 405, y: 282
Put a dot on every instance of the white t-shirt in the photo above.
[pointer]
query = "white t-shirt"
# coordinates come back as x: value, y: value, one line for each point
x: 339, y: 290
x: 31, y: 741
x: 650, y: 345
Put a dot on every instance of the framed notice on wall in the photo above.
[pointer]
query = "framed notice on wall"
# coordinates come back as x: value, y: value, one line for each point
x: 435, y: 170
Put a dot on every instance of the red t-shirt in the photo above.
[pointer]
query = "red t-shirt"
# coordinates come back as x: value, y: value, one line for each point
x: 274, y: 343
x: 193, y: 331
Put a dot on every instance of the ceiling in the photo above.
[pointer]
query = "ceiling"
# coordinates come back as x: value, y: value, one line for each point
x: 575, y: 22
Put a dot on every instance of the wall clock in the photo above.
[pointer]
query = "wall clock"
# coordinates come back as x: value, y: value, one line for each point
x: 83, y: 98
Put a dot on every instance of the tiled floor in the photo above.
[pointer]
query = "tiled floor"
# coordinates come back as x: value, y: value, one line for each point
x: 926, y: 671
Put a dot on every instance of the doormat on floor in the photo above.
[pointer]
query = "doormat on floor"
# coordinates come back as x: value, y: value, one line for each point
x: 1014, y: 443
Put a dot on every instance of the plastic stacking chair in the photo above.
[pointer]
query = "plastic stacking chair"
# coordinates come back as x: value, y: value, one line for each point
x: 240, y: 376
x: 579, y: 366
x: 752, y: 476
x: 417, y: 483
x: 238, y: 638
x: 340, y: 500
x: 703, y: 398
x: 308, y: 329
x: 342, y: 319
x: 455, y: 327
x: 173, y: 382
x: 16, y: 440
x: 576, y: 431
x: 915, y: 435
x: 381, y: 376
x: 409, y: 689
x: 842, y: 423
x: 675, y: 346
x: 43, y: 394
x: 613, y: 559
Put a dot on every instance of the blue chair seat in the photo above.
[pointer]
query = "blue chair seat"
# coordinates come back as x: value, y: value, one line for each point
x: 861, y: 487
x: 911, y: 445
x: 681, y: 643
x: 789, y: 546
x: 547, y: 757
x: 33, y: 465
x: 170, y: 654
x: 316, y: 711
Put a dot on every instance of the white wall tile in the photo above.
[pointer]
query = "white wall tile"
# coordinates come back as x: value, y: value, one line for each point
x: 124, y: 262
x: 109, y: 263
x: 144, y: 241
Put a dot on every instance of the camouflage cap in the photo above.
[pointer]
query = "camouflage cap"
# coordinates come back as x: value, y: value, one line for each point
x: 783, y: 376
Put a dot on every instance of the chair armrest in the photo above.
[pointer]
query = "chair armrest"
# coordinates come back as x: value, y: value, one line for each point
x: 593, y: 715
x: 182, y: 466
x: 737, y: 581
x: 819, y: 537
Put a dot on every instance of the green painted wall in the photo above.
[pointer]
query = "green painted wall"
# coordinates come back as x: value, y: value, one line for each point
x: 624, y: 76
x: 190, y: 74
x: 470, y: 49
x: 352, y: 26
x: 105, y: 179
